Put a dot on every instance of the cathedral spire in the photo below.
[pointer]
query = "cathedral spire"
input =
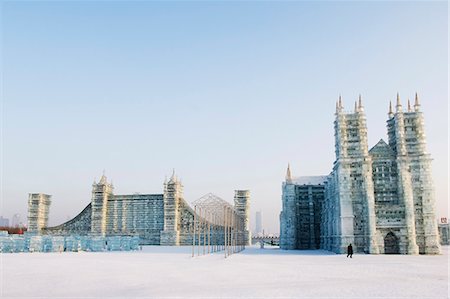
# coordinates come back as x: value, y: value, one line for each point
x: 398, y: 107
x: 360, y: 105
x: 103, y: 179
x: 390, y: 113
x: 356, y: 107
x: 173, y: 178
x: 288, y: 174
x: 339, y: 105
x: 409, y: 105
x: 416, y: 103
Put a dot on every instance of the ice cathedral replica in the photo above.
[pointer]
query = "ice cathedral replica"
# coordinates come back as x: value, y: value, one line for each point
x: 379, y: 200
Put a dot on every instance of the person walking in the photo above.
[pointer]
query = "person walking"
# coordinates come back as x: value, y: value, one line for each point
x: 350, y: 250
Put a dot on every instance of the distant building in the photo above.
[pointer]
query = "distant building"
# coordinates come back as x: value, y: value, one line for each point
x: 380, y: 200
x: 258, y: 223
x: 4, y: 222
x: 16, y: 221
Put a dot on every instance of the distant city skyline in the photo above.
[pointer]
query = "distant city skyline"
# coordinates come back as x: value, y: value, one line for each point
x: 14, y: 221
x: 4, y: 222
x: 227, y: 93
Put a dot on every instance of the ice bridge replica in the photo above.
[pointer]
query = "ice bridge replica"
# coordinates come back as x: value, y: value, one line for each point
x: 123, y: 222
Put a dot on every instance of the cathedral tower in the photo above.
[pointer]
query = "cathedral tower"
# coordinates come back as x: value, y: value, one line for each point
x: 353, y: 168
x: 407, y: 139
x: 288, y: 216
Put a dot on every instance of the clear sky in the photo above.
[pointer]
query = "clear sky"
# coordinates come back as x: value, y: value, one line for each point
x: 227, y: 93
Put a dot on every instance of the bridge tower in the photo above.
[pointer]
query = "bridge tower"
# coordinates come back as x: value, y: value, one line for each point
x: 101, y: 192
x: 38, y: 210
x: 242, y: 205
x: 173, y: 195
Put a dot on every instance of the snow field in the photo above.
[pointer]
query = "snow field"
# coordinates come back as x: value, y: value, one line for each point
x: 169, y: 272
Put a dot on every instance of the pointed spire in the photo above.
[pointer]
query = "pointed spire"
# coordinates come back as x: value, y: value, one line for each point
x: 390, y: 113
x: 409, y: 106
x: 360, y: 105
x: 399, y: 105
x: 173, y: 178
x: 416, y: 103
x: 339, y: 105
x: 356, y: 107
x: 288, y: 174
x: 165, y: 184
x: 103, y: 179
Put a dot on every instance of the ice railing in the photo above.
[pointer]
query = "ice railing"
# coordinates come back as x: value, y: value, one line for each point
x: 217, y: 227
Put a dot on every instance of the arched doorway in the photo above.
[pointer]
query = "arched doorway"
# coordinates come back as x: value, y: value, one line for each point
x: 391, y: 244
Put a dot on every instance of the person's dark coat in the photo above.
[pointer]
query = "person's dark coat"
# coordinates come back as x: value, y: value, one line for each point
x: 350, y: 249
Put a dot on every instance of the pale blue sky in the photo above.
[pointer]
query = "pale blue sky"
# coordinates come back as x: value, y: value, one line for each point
x: 227, y: 93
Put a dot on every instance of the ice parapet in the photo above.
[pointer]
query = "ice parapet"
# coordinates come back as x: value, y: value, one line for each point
x: 72, y: 243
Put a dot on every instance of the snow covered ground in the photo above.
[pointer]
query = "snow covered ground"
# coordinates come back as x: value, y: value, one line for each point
x: 163, y: 272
